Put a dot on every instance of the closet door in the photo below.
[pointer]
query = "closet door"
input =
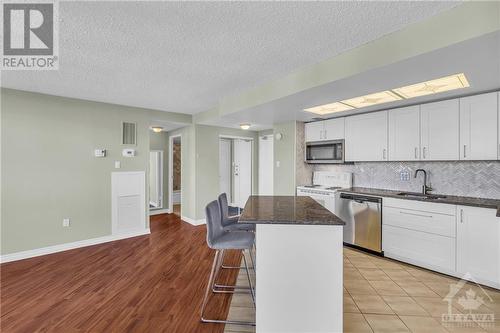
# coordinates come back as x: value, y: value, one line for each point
x: 242, y: 171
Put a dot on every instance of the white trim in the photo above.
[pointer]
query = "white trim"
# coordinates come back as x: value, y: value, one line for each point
x: 69, y: 246
x: 171, y: 170
x: 193, y: 221
x: 159, y: 211
x: 223, y: 136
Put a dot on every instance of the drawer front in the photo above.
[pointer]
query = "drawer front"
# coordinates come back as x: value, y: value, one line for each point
x: 429, y: 222
x: 439, y: 208
x: 427, y: 250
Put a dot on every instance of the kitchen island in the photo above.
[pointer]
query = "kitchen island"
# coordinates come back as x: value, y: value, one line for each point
x: 299, y: 263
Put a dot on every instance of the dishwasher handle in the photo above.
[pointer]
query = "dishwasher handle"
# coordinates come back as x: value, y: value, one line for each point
x: 360, y: 198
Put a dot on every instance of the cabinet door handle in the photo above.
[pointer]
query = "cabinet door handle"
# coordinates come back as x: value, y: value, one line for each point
x: 416, y: 153
x: 324, y: 134
x: 461, y: 216
x: 424, y: 152
x: 413, y: 214
x: 465, y: 151
x: 383, y: 154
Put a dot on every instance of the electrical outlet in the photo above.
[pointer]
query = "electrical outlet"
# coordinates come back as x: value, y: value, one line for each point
x: 404, y: 176
x: 66, y: 222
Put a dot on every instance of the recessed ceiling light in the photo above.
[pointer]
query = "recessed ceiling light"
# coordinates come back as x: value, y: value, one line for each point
x: 244, y: 126
x: 452, y: 82
x: 372, y: 99
x: 329, y: 108
x: 157, y: 129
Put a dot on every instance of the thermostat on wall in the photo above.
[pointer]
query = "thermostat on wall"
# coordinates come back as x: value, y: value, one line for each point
x: 100, y: 152
x: 128, y: 152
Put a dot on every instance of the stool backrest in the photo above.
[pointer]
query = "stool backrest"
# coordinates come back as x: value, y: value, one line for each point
x: 224, y: 207
x: 214, y: 223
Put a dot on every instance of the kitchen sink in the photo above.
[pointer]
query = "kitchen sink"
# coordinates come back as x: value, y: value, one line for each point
x: 421, y: 195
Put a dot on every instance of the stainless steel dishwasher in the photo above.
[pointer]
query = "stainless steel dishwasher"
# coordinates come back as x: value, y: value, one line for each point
x: 363, y: 217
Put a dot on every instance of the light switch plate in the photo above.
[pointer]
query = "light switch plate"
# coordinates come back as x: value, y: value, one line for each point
x: 404, y: 176
x: 117, y: 165
x: 66, y: 222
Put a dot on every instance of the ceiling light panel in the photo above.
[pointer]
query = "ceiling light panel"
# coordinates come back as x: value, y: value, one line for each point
x: 329, y: 108
x: 452, y: 82
x: 372, y: 99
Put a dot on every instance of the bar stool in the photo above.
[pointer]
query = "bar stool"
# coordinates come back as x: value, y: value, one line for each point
x: 220, y: 240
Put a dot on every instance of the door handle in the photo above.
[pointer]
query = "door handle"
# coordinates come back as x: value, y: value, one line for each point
x: 465, y: 151
x: 424, y: 152
x: 383, y: 154
x: 461, y: 216
x: 416, y: 152
x: 413, y: 214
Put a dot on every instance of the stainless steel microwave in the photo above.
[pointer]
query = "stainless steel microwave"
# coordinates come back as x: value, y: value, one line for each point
x: 325, y: 151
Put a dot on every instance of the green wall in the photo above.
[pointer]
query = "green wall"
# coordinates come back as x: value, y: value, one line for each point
x: 285, y: 154
x: 49, y: 172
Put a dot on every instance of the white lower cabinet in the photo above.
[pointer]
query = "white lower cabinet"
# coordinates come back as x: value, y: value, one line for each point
x: 478, y: 244
x: 461, y: 241
x: 420, y: 233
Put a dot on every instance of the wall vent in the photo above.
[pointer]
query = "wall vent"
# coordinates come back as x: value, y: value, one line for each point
x: 129, y: 134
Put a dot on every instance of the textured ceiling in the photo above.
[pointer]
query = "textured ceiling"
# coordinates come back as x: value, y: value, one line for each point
x: 185, y: 56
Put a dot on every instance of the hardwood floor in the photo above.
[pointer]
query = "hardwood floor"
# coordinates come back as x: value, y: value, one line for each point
x: 151, y: 283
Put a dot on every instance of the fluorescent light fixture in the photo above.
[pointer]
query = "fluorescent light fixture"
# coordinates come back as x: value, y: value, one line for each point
x: 329, y: 108
x: 157, y: 129
x: 372, y: 99
x: 244, y: 126
x: 447, y: 83
x: 452, y: 82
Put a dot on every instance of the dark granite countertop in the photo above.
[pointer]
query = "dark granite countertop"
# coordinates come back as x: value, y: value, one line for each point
x: 287, y: 210
x: 448, y: 199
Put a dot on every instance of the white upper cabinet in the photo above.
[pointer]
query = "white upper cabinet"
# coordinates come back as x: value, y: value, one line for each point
x: 440, y: 130
x: 334, y: 129
x: 498, y: 117
x: 478, y: 127
x: 366, y: 137
x: 478, y: 244
x: 404, y: 134
x: 314, y: 131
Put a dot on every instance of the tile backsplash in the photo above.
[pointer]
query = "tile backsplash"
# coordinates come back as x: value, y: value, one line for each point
x: 462, y: 178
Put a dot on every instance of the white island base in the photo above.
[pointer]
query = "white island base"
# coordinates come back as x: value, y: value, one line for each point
x: 299, y: 278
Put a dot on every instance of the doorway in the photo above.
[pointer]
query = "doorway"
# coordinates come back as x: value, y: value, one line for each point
x: 235, y: 169
x: 266, y: 164
x: 174, y: 170
x: 155, y: 179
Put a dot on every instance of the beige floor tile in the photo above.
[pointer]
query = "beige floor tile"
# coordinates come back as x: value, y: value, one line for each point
x: 374, y: 274
x: 418, y: 324
x: 491, y: 327
x: 387, y: 288
x: 439, y: 287
x: 356, y: 323
x: 241, y: 313
x: 244, y: 300
x: 405, y: 306
x: 349, y: 305
x: 386, y: 323
x: 372, y: 304
x: 359, y: 287
x: 472, y: 328
x: 362, y: 263
x: 435, y: 306
x: 352, y: 274
x: 400, y: 275
x: 416, y: 289
x: 239, y: 329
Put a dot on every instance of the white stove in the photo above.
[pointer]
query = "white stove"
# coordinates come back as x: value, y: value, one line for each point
x: 325, y: 186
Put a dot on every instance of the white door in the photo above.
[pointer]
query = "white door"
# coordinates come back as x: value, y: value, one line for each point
x: 225, y: 168
x: 404, y: 134
x: 440, y: 130
x: 366, y: 137
x: 334, y: 129
x: 156, y: 179
x: 128, y: 202
x: 478, y: 244
x: 478, y: 127
x: 242, y: 171
x: 266, y: 162
x: 314, y: 131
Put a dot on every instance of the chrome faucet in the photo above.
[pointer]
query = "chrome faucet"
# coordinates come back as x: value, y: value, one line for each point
x: 425, y: 187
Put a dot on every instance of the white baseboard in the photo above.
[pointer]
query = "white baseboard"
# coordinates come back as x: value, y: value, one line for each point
x: 69, y: 246
x: 159, y: 211
x: 193, y: 221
